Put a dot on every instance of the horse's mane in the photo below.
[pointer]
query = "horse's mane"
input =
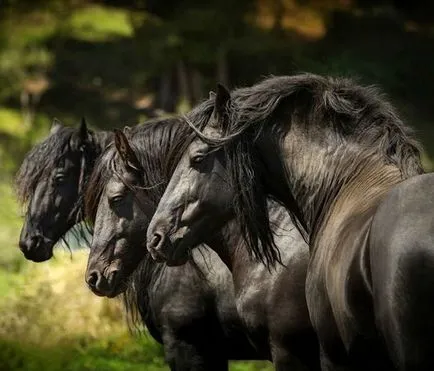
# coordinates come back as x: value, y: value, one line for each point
x: 158, y: 145
x: 336, y: 107
x: 42, y: 159
x: 149, y: 141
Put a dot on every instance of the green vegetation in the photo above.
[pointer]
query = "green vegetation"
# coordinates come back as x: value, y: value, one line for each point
x: 97, y: 23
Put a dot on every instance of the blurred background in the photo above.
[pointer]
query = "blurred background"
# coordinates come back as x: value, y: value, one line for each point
x: 120, y: 62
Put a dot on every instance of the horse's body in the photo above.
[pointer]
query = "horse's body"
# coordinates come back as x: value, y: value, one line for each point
x: 334, y: 154
x: 402, y: 237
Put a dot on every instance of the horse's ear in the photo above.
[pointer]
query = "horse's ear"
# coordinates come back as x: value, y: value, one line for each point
x: 83, y: 131
x: 55, y: 126
x: 125, y: 151
x: 211, y: 95
x: 221, y: 104
x: 82, y: 137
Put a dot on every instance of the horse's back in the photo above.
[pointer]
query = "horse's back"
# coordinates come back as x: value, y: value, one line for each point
x: 402, y: 266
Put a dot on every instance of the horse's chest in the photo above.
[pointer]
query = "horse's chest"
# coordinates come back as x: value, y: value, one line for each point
x: 251, y: 307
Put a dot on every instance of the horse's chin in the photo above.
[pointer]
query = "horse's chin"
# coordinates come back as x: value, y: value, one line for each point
x: 174, y: 251
x: 120, y: 288
x: 114, y: 293
x: 179, y: 253
x: 111, y: 292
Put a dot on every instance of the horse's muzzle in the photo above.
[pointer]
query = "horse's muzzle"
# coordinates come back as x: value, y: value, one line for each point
x: 36, y: 248
x: 109, y: 286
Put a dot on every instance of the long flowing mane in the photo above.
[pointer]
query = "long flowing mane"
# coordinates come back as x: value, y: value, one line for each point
x: 338, y: 108
x: 158, y: 145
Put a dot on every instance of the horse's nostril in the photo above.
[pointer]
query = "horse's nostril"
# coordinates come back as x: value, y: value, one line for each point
x: 29, y: 244
x: 92, y: 279
x: 156, y: 240
x: 36, y: 241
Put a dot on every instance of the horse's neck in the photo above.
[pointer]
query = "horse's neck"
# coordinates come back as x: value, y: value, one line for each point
x: 341, y: 196
x: 357, y: 200
x: 143, y: 288
x: 319, y: 177
x: 230, y: 246
x: 232, y: 249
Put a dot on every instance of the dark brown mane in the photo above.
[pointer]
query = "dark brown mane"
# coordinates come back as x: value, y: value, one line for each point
x: 337, y: 108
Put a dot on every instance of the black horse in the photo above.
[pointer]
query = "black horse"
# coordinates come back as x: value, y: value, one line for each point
x: 51, y: 180
x: 348, y: 170
x: 271, y: 305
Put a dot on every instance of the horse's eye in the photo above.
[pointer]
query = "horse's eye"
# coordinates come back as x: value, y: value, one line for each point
x: 59, y: 178
x: 116, y: 199
x: 197, y: 159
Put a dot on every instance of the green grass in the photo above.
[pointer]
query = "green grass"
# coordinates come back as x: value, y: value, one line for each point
x: 101, y: 355
x: 134, y: 355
